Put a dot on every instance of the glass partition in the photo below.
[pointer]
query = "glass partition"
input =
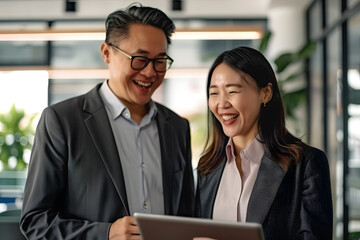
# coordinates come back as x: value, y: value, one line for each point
x: 354, y: 125
x: 335, y: 128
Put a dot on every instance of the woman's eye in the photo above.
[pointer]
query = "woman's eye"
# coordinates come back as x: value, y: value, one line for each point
x: 212, y: 93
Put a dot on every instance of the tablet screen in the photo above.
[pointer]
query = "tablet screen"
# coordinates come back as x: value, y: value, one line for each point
x: 162, y: 227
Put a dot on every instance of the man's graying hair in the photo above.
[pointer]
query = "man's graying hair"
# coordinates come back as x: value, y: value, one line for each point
x: 117, y: 23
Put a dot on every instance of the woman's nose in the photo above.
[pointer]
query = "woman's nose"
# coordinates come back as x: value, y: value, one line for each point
x: 223, y: 101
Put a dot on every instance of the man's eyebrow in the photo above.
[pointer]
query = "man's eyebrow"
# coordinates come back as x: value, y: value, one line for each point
x: 142, y: 51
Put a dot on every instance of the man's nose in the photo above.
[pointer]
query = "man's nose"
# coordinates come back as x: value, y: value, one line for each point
x: 149, y: 70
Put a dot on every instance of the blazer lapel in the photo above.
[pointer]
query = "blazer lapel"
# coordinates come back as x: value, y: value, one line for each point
x: 167, y: 148
x: 265, y: 189
x: 102, y: 135
x: 209, y: 185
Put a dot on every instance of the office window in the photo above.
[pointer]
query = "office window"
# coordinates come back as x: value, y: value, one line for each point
x: 333, y: 11
x: 23, y: 97
x: 352, y: 3
x: 315, y: 20
x: 76, y: 54
x: 61, y: 89
x: 316, y: 88
x: 354, y: 124
x: 23, y: 53
x: 335, y: 128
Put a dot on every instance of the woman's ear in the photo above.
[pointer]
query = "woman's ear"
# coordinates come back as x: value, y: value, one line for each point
x: 105, y: 53
x: 268, y: 93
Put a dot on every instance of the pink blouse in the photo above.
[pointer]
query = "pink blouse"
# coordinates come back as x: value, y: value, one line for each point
x: 234, y: 190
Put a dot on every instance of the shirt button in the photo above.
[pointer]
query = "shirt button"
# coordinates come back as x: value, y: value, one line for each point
x: 143, y: 164
x: 145, y: 206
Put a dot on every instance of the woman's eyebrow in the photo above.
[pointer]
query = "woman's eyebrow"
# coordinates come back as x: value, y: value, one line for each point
x: 228, y: 85
x: 234, y: 85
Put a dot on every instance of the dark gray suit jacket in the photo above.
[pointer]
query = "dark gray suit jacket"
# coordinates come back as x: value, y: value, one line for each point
x: 75, y: 187
x: 290, y: 205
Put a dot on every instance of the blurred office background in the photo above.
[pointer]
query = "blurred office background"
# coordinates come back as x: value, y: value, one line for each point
x: 49, y: 51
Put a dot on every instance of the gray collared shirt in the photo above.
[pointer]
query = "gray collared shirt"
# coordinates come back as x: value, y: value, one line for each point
x: 140, y: 155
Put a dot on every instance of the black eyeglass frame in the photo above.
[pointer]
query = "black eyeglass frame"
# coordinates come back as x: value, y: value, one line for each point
x: 168, y: 60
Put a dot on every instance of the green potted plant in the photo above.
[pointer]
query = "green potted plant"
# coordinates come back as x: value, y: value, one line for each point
x: 16, y: 135
x: 294, y: 97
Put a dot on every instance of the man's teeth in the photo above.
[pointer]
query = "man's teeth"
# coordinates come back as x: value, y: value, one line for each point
x: 143, y: 84
x: 228, y: 117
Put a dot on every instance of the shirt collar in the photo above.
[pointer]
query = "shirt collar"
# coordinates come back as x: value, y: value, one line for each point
x: 230, y: 150
x: 254, y: 152
x: 114, y: 105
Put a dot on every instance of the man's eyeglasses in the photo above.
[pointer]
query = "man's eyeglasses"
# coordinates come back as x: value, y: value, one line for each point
x: 140, y: 62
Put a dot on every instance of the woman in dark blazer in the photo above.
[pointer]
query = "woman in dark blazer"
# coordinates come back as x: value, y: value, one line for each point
x: 253, y: 169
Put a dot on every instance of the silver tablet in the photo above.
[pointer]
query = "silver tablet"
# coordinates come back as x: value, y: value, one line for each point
x: 161, y: 227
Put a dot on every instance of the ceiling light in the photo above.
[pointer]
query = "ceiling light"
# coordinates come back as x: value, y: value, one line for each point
x: 217, y: 35
x: 181, y: 34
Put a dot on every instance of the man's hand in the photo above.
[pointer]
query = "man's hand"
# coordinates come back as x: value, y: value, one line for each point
x: 124, y: 229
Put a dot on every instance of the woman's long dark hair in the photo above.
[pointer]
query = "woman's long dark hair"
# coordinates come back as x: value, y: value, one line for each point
x: 283, y: 146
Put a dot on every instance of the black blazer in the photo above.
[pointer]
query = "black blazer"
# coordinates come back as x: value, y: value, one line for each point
x: 295, y: 204
x: 75, y: 187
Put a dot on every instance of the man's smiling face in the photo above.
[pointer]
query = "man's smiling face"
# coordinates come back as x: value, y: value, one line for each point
x: 135, y: 87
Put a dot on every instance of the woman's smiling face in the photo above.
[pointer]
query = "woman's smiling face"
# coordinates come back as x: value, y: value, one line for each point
x: 235, y: 100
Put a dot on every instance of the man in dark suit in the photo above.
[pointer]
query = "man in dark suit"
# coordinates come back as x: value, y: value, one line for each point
x: 100, y: 157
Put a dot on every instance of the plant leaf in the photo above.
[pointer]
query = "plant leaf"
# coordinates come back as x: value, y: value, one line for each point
x: 292, y: 100
x: 265, y: 42
x: 283, y: 61
x: 306, y: 51
x: 292, y: 77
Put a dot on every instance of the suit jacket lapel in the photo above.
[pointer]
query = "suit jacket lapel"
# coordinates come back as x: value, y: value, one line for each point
x: 209, y: 185
x: 167, y: 148
x: 266, y: 186
x: 102, y: 135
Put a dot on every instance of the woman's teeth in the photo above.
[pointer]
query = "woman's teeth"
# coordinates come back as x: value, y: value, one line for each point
x: 228, y: 117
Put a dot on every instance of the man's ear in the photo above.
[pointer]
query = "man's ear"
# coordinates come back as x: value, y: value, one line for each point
x: 268, y: 93
x: 105, y: 52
